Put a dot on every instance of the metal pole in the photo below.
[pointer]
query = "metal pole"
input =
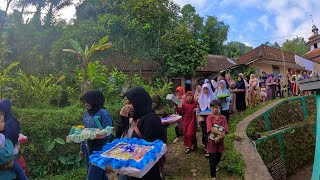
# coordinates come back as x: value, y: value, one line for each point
x: 316, y: 164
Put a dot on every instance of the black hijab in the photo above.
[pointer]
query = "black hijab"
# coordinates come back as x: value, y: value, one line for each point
x: 140, y: 100
x: 240, y: 84
x: 95, y: 99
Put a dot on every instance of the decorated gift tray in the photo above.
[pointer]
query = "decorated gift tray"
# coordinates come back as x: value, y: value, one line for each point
x: 204, y: 113
x: 217, y: 127
x: 170, y: 119
x: 220, y: 96
x: 133, y: 157
x: 79, y: 133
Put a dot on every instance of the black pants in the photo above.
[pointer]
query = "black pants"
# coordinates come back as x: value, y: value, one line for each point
x: 178, y: 131
x: 226, y: 114
x: 214, y: 159
x: 203, y: 125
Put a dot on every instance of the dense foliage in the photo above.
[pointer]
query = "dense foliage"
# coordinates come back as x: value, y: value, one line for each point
x: 143, y: 30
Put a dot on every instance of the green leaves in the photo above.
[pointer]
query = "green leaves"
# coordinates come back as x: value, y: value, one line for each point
x: 49, y: 146
x: 103, y: 40
x: 60, y: 141
x: 296, y: 45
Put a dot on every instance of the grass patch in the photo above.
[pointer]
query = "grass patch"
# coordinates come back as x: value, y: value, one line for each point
x: 171, y: 134
x: 73, y: 174
x: 232, y: 161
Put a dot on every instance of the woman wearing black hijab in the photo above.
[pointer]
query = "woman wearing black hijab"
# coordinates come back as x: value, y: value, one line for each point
x: 240, y: 94
x: 94, y: 102
x: 149, y: 126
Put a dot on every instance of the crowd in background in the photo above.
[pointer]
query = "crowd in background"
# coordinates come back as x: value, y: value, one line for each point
x: 261, y: 88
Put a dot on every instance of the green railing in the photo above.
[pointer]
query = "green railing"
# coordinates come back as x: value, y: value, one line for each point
x: 265, y: 115
x: 279, y: 132
x: 279, y: 136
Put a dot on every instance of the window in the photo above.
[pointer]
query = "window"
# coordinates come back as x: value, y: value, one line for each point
x: 276, y: 71
x: 188, y: 85
x: 315, y: 45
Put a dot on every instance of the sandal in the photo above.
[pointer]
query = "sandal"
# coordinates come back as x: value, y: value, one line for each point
x: 187, y: 151
x: 213, y: 178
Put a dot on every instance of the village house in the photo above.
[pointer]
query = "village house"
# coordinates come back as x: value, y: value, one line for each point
x: 270, y: 60
x: 214, y: 64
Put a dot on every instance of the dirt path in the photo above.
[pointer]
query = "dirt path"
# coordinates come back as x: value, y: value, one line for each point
x: 192, y: 166
x: 303, y: 174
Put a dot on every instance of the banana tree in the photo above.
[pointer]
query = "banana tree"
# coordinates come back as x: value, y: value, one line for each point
x: 4, y: 78
x: 85, y: 54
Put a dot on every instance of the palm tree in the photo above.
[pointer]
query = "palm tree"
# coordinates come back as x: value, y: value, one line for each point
x: 5, y: 16
x: 85, y: 54
x: 55, y: 5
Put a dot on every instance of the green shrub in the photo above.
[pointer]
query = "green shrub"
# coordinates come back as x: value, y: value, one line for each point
x: 42, y: 127
x: 287, y: 113
x: 269, y: 150
x: 300, y: 144
x: 46, y: 130
x: 257, y: 125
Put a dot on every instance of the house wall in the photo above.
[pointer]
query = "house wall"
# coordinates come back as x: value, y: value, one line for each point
x: 270, y: 69
x: 262, y: 67
x: 312, y: 46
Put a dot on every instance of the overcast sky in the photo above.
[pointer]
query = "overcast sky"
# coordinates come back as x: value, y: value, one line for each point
x: 252, y: 22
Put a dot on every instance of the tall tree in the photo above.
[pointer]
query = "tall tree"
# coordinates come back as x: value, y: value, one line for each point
x: 215, y: 34
x: 54, y: 6
x: 182, y: 54
x: 296, y: 45
x: 235, y: 49
x: 3, y: 20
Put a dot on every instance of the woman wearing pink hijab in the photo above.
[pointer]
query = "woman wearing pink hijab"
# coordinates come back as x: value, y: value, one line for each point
x: 206, y: 96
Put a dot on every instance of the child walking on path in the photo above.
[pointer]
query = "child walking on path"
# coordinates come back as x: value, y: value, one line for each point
x: 94, y: 102
x: 215, y: 146
x: 179, y: 128
x: 189, y: 122
x: 206, y: 96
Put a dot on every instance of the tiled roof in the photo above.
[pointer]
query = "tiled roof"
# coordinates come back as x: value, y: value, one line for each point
x: 312, y: 54
x: 317, y: 60
x: 314, y: 37
x: 214, y: 63
x: 265, y: 52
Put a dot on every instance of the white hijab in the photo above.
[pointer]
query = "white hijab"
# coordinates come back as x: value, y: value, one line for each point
x: 205, y: 99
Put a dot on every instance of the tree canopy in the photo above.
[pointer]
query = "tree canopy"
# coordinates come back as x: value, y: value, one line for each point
x: 296, y: 45
x: 176, y: 37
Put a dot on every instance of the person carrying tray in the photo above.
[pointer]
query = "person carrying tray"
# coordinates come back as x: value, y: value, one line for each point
x: 223, y: 94
x: 149, y: 126
x: 94, y: 102
x: 206, y: 96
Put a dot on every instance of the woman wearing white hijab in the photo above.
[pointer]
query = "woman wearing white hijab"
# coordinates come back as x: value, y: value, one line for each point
x: 206, y: 96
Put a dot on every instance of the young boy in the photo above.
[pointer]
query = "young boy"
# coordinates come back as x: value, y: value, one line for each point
x: 215, y: 145
x: 6, y: 154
